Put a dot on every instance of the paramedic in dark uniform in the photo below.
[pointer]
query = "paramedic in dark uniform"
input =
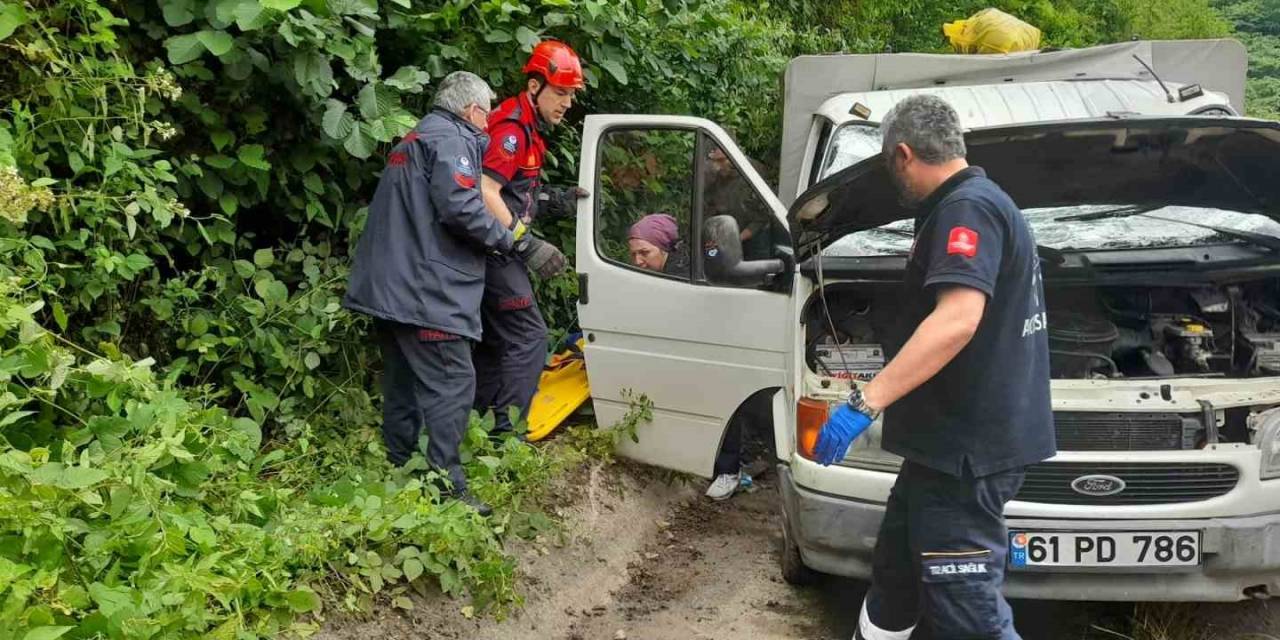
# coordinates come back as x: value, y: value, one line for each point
x: 965, y: 399
x: 509, y: 360
x: 419, y: 272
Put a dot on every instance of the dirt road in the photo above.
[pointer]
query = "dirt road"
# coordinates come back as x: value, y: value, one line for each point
x: 646, y: 560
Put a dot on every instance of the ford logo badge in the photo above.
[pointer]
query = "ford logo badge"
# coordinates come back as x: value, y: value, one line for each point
x: 1097, y: 485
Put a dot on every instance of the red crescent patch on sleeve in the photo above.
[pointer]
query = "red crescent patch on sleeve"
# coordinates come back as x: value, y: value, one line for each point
x: 963, y: 241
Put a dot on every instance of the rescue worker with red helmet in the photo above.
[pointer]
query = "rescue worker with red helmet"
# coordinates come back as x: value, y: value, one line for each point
x: 509, y: 359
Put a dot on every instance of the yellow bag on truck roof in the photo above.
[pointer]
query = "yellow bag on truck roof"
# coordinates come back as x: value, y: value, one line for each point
x: 991, y: 31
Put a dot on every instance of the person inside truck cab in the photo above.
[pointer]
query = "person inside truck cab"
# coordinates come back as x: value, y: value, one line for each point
x: 729, y: 193
x: 654, y: 244
x: 966, y: 396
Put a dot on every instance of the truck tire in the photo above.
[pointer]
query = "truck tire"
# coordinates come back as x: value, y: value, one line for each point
x: 794, y: 570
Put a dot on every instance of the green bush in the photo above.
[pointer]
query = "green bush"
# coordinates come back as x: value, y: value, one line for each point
x: 188, y: 439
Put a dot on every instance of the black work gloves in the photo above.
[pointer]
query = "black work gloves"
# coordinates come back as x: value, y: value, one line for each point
x: 560, y: 202
x: 540, y: 256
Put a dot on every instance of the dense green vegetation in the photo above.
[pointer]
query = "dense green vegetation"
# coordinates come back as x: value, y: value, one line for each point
x: 188, y: 438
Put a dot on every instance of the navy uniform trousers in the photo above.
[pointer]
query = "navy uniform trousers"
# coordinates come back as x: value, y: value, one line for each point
x: 427, y: 382
x: 513, y: 347
x: 940, y: 556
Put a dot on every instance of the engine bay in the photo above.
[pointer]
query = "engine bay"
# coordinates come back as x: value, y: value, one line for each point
x: 1095, y: 332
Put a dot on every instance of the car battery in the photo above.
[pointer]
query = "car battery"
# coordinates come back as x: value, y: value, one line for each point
x: 859, y: 362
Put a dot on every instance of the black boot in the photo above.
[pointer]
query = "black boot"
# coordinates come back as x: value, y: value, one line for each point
x: 467, y: 498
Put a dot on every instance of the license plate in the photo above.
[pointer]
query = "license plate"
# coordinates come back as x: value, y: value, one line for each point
x: 1110, y: 549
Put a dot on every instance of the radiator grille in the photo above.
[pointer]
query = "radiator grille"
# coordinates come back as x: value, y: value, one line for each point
x: 1145, y: 483
x: 1097, y: 431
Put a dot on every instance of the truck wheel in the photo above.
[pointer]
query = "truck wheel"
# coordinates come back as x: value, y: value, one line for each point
x: 794, y: 570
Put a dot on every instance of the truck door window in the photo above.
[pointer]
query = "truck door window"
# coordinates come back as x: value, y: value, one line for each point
x: 852, y: 143
x: 727, y: 191
x: 646, y: 176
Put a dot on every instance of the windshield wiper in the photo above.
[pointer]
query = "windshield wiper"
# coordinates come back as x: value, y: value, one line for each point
x: 1119, y: 212
x: 1263, y: 240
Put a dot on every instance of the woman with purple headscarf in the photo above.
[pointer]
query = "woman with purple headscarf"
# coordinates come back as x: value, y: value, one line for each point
x: 654, y: 242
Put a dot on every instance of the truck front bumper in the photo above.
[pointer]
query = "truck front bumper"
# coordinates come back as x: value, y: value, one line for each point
x: 1241, y: 555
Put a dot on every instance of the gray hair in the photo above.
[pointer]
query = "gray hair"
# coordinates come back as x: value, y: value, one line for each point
x: 462, y: 89
x: 928, y: 125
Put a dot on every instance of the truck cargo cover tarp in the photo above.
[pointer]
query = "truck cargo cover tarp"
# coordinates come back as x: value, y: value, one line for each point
x: 1217, y: 65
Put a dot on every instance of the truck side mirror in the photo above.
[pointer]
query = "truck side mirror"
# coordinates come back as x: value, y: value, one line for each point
x: 722, y: 254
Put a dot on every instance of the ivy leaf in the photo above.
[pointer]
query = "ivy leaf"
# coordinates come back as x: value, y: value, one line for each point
x: 409, y: 79
x: 46, y: 633
x: 251, y: 155
x: 244, y: 268
x: 183, y: 49
x: 219, y: 161
x: 337, y: 123
x: 303, y: 601
x: 217, y: 42
x: 312, y: 360
x: 281, y: 5
x: 178, y: 13
x: 272, y: 291
x: 359, y: 144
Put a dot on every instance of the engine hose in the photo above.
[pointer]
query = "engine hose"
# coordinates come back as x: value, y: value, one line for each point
x: 1115, y: 371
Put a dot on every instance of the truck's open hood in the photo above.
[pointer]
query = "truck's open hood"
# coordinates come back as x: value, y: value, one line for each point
x: 1225, y: 163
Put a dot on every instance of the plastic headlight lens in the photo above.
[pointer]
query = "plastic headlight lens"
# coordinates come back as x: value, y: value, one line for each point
x: 1269, y: 444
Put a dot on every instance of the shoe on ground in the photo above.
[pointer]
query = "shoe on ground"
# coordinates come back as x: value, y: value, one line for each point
x: 475, y: 503
x: 723, y: 487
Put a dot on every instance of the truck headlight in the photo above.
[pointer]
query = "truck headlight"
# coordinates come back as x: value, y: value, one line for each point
x: 1268, y: 438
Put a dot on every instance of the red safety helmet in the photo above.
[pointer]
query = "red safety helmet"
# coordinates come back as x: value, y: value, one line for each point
x: 556, y: 62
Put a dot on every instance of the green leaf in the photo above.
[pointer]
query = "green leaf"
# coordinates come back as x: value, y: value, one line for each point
x: 219, y: 161
x: 221, y: 139
x: 527, y: 37
x: 228, y: 202
x: 314, y: 73
x: 252, y: 434
x: 60, y: 316
x: 312, y: 360
x: 251, y: 155
x: 244, y: 268
x: 111, y: 600
x: 249, y: 15
x: 413, y: 569
x: 303, y: 601
x: 376, y: 101
x: 46, y: 633
x: 281, y: 5
x: 360, y: 144
x: 137, y: 262
x: 183, y: 49
x: 12, y: 16
x: 337, y: 124
x: 263, y: 258
x: 217, y: 42
x: 615, y: 69
x: 497, y: 36
x: 273, y: 292
x: 409, y: 79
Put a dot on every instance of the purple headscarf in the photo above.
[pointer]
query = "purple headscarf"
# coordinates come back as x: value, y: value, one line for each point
x: 658, y: 229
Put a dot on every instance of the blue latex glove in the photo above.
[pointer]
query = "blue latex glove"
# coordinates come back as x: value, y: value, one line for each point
x: 842, y: 428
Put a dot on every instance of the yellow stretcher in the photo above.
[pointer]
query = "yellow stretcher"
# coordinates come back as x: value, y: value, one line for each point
x: 562, y: 389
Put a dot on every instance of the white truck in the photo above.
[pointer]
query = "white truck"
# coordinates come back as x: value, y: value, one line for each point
x: 1156, y: 208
